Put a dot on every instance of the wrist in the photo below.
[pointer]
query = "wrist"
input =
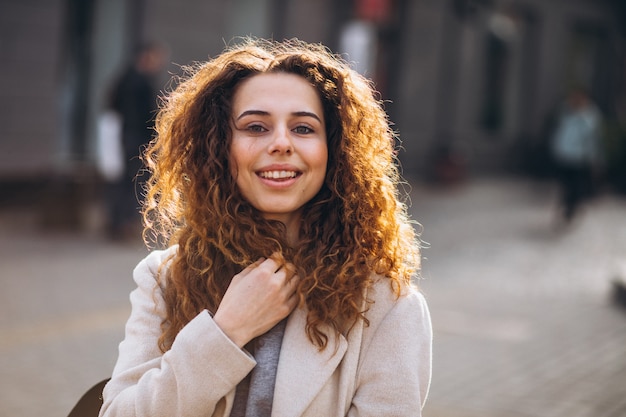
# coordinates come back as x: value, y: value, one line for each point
x: 233, y: 332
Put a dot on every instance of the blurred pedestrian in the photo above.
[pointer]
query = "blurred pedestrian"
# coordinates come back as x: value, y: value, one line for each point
x: 287, y: 288
x: 576, y: 150
x: 133, y: 99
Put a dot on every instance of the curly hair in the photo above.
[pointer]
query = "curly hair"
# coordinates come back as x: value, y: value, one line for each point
x: 354, y: 229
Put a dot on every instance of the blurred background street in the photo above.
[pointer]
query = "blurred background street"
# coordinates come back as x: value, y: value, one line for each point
x: 523, y: 316
x: 479, y: 92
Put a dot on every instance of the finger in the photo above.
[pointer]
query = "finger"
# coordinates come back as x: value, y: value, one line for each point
x: 292, y: 301
x: 289, y: 269
x: 292, y: 283
x: 251, y: 267
x: 284, y: 275
x: 279, y: 260
x: 271, y: 265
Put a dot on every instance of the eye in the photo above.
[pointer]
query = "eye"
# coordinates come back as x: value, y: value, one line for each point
x: 256, y: 128
x: 302, y: 130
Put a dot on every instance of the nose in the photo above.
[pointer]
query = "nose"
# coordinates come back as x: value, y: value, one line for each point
x: 281, y: 142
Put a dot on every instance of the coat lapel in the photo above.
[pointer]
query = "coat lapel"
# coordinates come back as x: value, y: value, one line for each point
x: 302, y: 368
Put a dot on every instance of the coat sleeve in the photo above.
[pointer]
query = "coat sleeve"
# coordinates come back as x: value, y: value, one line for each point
x: 394, y: 371
x: 191, y: 379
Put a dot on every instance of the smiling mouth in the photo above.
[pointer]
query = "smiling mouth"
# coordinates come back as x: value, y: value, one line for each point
x: 278, y: 175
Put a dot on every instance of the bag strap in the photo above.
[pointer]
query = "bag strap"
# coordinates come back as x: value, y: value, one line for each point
x: 90, y: 403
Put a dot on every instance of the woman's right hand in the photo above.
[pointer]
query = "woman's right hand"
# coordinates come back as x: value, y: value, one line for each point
x: 257, y: 299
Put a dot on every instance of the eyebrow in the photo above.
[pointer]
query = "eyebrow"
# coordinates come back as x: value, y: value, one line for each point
x: 264, y: 113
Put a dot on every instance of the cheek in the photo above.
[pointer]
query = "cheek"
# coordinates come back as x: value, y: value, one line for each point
x: 236, y: 158
x: 241, y: 161
x: 322, y: 157
x: 232, y: 166
x: 320, y: 162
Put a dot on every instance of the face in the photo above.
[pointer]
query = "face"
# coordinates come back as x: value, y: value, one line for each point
x: 278, y: 151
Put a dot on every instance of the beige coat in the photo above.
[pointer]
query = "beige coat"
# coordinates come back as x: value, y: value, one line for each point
x: 378, y: 370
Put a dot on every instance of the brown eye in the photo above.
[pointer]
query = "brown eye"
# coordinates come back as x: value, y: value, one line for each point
x: 256, y: 129
x: 303, y: 130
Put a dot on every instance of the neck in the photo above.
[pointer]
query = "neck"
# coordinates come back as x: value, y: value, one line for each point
x: 293, y: 235
x: 292, y: 227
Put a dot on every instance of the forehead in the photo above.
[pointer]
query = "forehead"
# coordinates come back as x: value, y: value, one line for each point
x: 276, y: 90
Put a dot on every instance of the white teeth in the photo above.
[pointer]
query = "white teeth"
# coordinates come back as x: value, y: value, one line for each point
x: 278, y: 174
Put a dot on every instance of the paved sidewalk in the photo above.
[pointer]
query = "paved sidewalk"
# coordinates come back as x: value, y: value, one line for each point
x: 524, y: 326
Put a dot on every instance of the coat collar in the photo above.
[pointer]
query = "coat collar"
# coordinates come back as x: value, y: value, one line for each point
x: 302, y: 368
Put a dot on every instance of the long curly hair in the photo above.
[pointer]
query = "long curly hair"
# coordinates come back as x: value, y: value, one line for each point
x: 354, y: 229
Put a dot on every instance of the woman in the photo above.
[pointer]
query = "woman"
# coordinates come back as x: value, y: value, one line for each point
x: 286, y: 290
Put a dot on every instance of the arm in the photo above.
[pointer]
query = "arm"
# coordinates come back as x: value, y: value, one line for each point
x: 202, y: 366
x: 394, y: 372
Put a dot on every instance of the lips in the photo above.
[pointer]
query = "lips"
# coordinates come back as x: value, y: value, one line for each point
x: 278, y: 174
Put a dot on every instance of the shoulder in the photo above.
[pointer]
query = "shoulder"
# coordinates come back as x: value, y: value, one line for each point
x: 382, y: 292
x: 151, y: 267
x: 386, y: 305
x: 394, y: 350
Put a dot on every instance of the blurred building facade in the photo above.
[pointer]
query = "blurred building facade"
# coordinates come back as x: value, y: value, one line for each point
x: 475, y: 80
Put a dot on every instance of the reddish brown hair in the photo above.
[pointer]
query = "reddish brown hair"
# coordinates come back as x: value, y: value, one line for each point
x: 355, y: 227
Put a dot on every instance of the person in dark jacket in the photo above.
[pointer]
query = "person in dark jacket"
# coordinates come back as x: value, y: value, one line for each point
x: 134, y: 99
